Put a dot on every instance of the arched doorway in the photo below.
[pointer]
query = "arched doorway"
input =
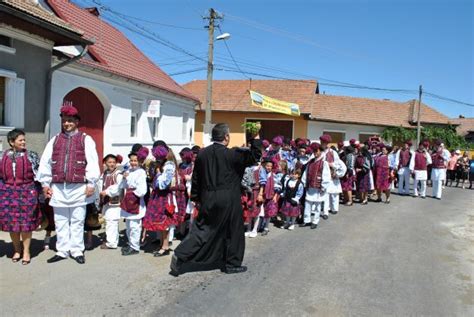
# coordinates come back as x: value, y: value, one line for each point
x: 92, y: 116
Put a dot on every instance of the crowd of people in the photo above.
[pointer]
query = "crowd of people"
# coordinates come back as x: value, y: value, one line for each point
x: 296, y: 182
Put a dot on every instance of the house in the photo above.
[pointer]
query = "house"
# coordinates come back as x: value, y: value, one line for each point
x: 28, y: 34
x: 340, y: 116
x: 123, y: 97
x: 465, y: 128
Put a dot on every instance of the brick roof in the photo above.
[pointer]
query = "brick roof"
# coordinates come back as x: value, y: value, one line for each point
x: 232, y: 95
x: 36, y: 10
x: 113, y: 51
x: 466, y: 125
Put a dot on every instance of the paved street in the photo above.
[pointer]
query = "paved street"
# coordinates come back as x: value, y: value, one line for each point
x: 412, y: 257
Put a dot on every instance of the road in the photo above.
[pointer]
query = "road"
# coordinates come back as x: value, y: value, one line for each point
x: 413, y: 257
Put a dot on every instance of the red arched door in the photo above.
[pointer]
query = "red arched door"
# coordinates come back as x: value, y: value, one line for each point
x: 92, y: 116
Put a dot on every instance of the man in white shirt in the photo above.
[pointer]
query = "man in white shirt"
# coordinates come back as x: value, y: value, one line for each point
x: 68, y: 172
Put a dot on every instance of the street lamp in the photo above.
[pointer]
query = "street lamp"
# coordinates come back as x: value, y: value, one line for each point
x: 210, y: 68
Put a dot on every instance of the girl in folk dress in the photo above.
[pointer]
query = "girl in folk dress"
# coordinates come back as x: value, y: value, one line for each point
x: 382, y: 175
x: 185, y: 171
x: 347, y: 182
x: 250, y: 191
x: 362, y: 168
x: 133, y: 207
x: 161, y: 214
x: 292, y: 192
x: 178, y: 190
x: 110, y: 195
x: 267, y: 194
x: 19, y: 212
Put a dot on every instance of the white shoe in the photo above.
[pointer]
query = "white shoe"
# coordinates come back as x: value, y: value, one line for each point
x: 247, y: 233
x: 252, y: 234
x: 292, y: 227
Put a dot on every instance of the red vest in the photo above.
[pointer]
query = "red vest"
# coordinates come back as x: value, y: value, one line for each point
x: 420, y: 161
x: 404, y: 159
x: 330, y: 156
x: 69, y: 159
x: 315, y: 174
x: 23, y: 170
x: 438, y: 160
x: 109, y: 180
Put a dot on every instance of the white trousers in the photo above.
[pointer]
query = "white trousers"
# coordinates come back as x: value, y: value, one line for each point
x: 69, y: 222
x: 422, y: 187
x: 134, y: 232
x: 404, y: 181
x: 331, y: 202
x: 312, y: 207
x: 437, y: 188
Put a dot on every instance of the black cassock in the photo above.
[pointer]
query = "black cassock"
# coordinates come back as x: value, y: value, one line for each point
x: 216, y: 238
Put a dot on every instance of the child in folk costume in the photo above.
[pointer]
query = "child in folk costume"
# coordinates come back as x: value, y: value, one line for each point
x: 347, y: 182
x: 250, y: 191
x: 303, y: 156
x: 161, y: 212
x: 382, y: 174
x: 317, y: 178
x: 186, y: 172
x: 292, y: 192
x: 287, y: 154
x: 110, y: 196
x: 132, y: 206
x: 419, y: 167
x: 267, y: 194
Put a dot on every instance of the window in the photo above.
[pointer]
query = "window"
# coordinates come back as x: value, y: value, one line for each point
x: 2, y: 101
x: 154, y: 128
x: 5, y: 41
x: 336, y: 136
x: 364, y: 137
x: 135, y: 117
x: 13, y: 109
x: 184, y: 128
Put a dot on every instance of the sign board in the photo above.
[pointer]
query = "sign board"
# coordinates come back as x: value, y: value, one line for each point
x: 153, y: 109
x: 274, y: 105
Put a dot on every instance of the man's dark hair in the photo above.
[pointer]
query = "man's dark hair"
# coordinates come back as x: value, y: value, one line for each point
x: 136, y: 147
x: 219, y: 132
x: 13, y: 134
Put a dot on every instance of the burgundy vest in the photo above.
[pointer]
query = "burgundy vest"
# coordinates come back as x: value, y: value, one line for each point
x: 438, y: 161
x: 109, y: 180
x: 315, y: 174
x: 69, y: 159
x: 404, y: 159
x: 420, y: 161
x: 23, y: 170
x: 330, y: 156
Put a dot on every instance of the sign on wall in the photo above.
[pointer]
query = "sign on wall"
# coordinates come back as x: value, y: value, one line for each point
x: 153, y: 109
x: 274, y: 105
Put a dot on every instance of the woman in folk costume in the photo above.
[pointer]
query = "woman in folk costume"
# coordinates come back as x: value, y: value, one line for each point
x: 178, y: 189
x: 347, y: 182
x: 316, y: 178
x: 338, y: 170
x: 110, y: 196
x: 186, y: 172
x: 161, y: 213
x: 132, y: 206
x: 440, y: 159
x: 19, y: 206
x: 251, y: 189
x: 292, y: 192
x: 463, y: 169
x: 267, y: 194
x: 363, y: 165
x: 451, y: 170
x: 419, y: 167
x: 382, y: 174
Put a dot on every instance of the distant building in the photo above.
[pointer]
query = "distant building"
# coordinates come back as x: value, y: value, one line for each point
x: 465, y: 128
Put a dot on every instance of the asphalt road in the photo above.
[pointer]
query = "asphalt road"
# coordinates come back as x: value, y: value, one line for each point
x: 410, y: 258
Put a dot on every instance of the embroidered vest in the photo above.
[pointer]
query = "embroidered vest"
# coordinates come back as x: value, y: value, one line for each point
x: 23, y: 169
x: 109, y: 180
x: 69, y: 159
x: 290, y: 192
x: 315, y: 174
x: 438, y: 161
x: 420, y: 161
x: 330, y: 156
x: 404, y: 158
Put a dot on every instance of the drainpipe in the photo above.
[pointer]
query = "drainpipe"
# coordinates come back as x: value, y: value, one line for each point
x: 48, y: 86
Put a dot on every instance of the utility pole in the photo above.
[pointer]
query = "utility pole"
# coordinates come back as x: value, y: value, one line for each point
x: 213, y: 16
x: 418, y: 122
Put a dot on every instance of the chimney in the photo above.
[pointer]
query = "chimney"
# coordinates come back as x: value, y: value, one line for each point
x: 93, y: 10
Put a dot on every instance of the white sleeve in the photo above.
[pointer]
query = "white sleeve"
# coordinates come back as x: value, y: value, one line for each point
x: 326, y: 176
x: 44, y: 175
x: 428, y: 159
x: 397, y: 159
x: 412, y: 162
x: 114, y: 190
x: 92, y: 168
x: 141, y: 188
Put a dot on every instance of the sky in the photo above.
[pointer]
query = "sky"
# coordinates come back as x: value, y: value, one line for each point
x: 394, y: 44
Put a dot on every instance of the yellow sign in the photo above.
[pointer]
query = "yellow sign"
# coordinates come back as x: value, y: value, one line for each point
x: 275, y: 105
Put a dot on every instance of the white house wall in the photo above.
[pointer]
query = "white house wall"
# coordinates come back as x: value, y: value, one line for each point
x: 116, y: 97
x: 352, y: 131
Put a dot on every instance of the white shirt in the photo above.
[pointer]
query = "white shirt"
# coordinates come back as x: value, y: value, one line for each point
x: 70, y: 194
x: 136, y: 179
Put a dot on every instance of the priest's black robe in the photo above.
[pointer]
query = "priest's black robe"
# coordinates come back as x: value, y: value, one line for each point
x: 216, y: 238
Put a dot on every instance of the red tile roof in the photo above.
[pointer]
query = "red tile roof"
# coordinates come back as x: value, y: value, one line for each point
x: 232, y: 95
x: 114, y: 52
x: 466, y: 125
x: 36, y: 10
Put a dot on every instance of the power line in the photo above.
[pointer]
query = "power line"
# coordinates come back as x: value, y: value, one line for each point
x: 448, y: 99
x: 232, y: 56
